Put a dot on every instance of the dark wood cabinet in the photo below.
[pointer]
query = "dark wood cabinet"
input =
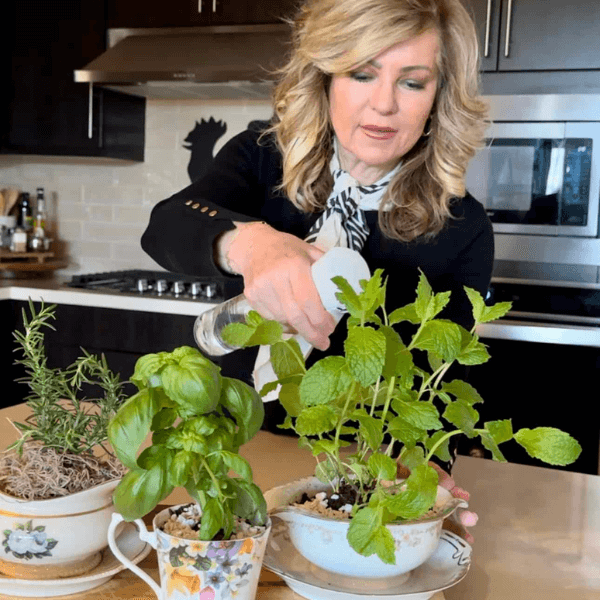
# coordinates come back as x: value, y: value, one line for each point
x: 529, y: 35
x: 43, y: 110
x: 196, y: 13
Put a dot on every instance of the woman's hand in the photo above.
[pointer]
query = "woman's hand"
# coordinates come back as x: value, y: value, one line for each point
x: 278, y: 282
x: 461, y: 518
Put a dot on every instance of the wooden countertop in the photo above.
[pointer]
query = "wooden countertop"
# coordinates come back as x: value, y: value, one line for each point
x: 537, y: 536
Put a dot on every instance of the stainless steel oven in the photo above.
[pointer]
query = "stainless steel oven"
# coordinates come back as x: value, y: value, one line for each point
x: 539, y: 178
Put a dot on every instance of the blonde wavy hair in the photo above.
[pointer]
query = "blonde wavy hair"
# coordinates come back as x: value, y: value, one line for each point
x: 336, y: 36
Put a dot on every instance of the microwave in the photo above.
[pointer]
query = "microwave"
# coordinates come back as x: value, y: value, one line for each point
x: 539, y: 178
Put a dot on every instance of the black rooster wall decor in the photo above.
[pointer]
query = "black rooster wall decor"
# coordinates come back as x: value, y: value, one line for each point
x: 201, y: 142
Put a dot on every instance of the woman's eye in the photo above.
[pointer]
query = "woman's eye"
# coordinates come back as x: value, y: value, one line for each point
x: 411, y: 84
x: 361, y: 76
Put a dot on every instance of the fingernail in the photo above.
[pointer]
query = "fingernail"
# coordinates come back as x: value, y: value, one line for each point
x: 468, y: 518
x: 460, y: 493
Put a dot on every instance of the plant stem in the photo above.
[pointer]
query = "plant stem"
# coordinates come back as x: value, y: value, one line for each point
x: 440, y: 442
x: 212, y: 476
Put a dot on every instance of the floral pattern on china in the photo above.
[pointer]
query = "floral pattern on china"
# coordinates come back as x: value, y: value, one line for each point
x: 205, y: 570
x: 27, y: 541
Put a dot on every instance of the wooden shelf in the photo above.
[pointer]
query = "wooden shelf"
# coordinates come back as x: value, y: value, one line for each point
x: 30, y: 261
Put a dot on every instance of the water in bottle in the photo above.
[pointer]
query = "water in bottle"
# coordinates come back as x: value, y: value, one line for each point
x: 209, y: 325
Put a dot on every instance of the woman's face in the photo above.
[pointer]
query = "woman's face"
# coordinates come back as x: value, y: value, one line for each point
x: 379, y: 110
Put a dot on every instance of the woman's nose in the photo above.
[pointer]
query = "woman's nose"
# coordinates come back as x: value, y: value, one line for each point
x: 383, y: 98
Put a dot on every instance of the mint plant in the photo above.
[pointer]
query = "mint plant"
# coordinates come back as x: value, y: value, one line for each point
x: 377, y: 391
x: 198, y: 420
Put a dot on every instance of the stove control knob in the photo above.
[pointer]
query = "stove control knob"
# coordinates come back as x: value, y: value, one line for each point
x: 162, y: 286
x: 196, y: 288
x: 179, y: 288
x: 142, y: 285
x: 210, y: 290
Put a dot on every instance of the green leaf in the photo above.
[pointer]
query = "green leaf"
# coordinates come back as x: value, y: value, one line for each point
x: 489, y: 442
x: 483, y: 313
x: 365, y: 354
x: 405, y: 432
x: 155, y: 455
x: 140, y: 491
x: 439, y: 303
x: 549, y: 444
x: 367, y: 535
x: 131, y: 425
x: 462, y: 390
x: 268, y: 332
x: 249, y: 502
x: 194, y: 383
x: 245, y: 406
x: 424, y: 298
x: 325, y: 381
x: 443, y: 450
x: 371, y: 428
x: 477, y: 303
x: 441, y: 337
x: 404, y: 313
x: 463, y: 416
x: 413, y: 457
x: 419, y: 495
x: 238, y: 464
x: 287, y: 359
x: 501, y: 431
x: 181, y: 467
x: 289, y: 397
x: 164, y: 418
x: 237, y: 335
x: 421, y: 415
x: 316, y: 420
x: 213, y: 518
x: 147, y: 366
x: 382, y: 466
x: 348, y: 297
x: 398, y: 360
x: 474, y: 353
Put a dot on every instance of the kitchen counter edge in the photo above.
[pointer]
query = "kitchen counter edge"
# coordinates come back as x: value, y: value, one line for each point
x: 55, y: 291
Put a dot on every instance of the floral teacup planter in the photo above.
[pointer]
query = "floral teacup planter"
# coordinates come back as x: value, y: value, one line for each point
x: 61, y: 537
x: 216, y: 570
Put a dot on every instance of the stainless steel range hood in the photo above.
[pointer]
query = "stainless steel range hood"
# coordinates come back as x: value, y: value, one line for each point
x: 191, y: 63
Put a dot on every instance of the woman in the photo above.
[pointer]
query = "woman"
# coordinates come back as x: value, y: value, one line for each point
x: 377, y: 113
x: 381, y: 95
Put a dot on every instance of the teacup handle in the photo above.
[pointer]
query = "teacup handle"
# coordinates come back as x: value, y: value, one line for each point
x: 145, y: 536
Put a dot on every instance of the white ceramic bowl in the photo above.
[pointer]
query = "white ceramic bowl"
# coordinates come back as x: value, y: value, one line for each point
x: 322, y: 540
x: 62, y: 537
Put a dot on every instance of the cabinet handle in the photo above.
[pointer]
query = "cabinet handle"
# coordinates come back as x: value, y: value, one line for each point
x: 214, y: 6
x: 199, y: 6
x: 90, y: 110
x: 488, y: 23
x: 508, y: 20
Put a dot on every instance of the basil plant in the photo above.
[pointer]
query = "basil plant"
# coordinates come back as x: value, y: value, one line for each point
x: 198, y: 420
x: 381, y: 390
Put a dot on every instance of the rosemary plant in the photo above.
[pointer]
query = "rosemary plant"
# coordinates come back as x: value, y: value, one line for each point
x: 59, y: 418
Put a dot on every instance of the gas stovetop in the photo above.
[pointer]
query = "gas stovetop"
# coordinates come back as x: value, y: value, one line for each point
x: 159, y: 284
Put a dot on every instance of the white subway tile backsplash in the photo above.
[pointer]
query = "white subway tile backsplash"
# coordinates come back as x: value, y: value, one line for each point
x: 102, y: 207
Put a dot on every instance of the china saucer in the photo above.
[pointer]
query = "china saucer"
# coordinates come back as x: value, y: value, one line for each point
x: 446, y: 567
x: 128, y: 542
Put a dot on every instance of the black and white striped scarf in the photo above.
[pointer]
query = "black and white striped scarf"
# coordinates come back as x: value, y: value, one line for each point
x: 343, y: 222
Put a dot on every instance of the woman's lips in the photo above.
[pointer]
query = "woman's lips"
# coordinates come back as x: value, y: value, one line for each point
x: 379, y: 133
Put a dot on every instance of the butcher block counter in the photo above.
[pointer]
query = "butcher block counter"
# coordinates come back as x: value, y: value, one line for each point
x: 537, y: 536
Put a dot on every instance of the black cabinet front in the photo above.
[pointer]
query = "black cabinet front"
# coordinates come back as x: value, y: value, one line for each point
x: 44, y: 111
